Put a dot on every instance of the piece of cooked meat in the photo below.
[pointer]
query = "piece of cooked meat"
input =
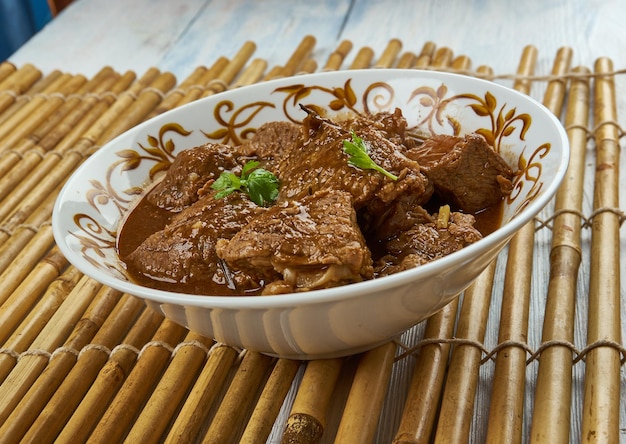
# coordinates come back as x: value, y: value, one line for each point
x: 465, y: 171
x: 393, y: 125
x: 426, y: 242
x: 320, y: 163
x: 184, y: 251
x: 311, y: 243
x: 272, y: 140
x: 189, y: 172
x: 383, y: 221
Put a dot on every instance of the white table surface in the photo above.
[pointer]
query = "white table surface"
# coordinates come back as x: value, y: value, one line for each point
x: 180, y: 35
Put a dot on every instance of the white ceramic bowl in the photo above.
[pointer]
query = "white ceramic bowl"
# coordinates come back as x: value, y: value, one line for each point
x: 331, y: 322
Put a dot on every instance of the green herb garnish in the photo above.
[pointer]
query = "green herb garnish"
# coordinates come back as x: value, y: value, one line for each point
x: 258, y: 183
x: 360, y: 158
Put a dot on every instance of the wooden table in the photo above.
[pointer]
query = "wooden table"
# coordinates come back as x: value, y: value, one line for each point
x: 535, y: 351
x: 179, y: 36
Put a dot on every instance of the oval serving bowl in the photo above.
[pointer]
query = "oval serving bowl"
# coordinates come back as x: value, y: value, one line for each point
x: 331, y: 322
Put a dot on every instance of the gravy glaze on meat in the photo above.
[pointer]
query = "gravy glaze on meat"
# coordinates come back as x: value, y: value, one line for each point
x: 332, y: 223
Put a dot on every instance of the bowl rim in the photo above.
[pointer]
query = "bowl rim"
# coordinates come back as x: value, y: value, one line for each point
x: 348, y: 291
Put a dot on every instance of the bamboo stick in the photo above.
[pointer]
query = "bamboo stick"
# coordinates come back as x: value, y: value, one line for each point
x: 131, y: 397
x: 442, y: 57
x: 461, y: 63
x: 557, y: 88
x: 421, y: 406
x: 363, y: 58
x: 28, y: 330
x: 216, y: 78
x: 6, y: 69
x: 29, y: 291
x: 45, y: 175
x: 204, y: 393
x: 74, y: 108
x: 221, y: 81
x: 388, y: 57
x: 78, y: 380
x: 601, y: 404
x: 269, y: 404
x: 510, y: 371
x: 309, y: 66
x: 406, y: 60
x: 31, y: 149
x: 147, y: 100
x: 26, y: 259
x: 32, y: 209
x: 83, y: 136
x: 274, y: 73
x: 53, y: 177
x: 97, y: 132
x: 59, y: 365
x: 233, y: 411
x: 83, y: 133
x: 19, y: 249
x: 337, y: 57
x: 551, y: 411
x: 25, y: 124
x: 295, y: 61
x: 307, y: 419
x: 21, y: 234
x: 367, y: 394
x: 174, y: 96
x: 29, y: 367
x: 425, y: 56
x: 457, y: 409
x: 302, y: 53
x: 37, y: 88
x: 194, y: 91
x: 504, y: 423
x: 252, y: 73
x: 17, y: 83
x: 110, y: 378
x: 233, y: 69
x: 34, y: 104
x: 171, y: 389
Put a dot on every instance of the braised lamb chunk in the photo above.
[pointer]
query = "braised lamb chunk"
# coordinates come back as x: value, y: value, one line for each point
x: 272, y: 140
x: 319, y: 162
x: 383, y: 221
x: 465, y: 171
x: 184, y: 251
x: 425, y: 242
x: 189, y: 172
x: 393, y: 125
x: 310, y: 243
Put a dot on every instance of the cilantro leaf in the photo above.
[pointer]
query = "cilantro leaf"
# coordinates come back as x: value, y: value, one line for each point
x: 226, y: 184
x: 262, y: 187
x: 258, y: 183
x: 359, y: 157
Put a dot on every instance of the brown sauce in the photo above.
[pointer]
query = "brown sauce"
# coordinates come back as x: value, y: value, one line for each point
x: 146, y: 219
x: 489, y: 219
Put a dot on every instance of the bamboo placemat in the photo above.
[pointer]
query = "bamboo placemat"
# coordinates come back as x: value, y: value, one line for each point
x: 531, y: 351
